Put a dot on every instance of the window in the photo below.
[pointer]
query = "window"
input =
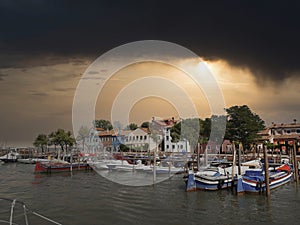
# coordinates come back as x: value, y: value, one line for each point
x: 173, y: 146
x: 167, y: 146
x: 145, y: 137
x: 298, y: 131
x: 167, y: 137
x: 141, y: 137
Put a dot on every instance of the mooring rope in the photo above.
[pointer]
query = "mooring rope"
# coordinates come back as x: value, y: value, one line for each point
x: 44, y: 217
x: 26, y: 211
x: 12, y: 211
x: 25, y: 214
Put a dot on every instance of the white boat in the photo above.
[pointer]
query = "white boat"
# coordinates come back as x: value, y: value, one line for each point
x: 141, y: 167
x: 10, y: 157
x: 26, y: 161
x: 168, y: 169
x: 107, y: 164
x: 215, y: 178
x: 32, y: 160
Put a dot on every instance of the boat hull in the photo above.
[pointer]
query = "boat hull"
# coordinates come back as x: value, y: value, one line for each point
x: 254, y: 182
x: 59, y: 167
x: 194, y: 182
x: 8, y: 160
x: 251, y: 186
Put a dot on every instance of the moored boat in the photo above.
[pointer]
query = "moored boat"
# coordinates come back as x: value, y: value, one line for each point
x: 59, y: 166
x: 10, y: 157
x: 32, y: 160
x: 27, y: 161
x: 211, y: 178
x: 253, y: 181
x: 215, y: 177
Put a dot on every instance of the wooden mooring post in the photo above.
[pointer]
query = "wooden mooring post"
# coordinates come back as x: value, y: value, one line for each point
x: 233, y: 163
x: 267, y: 184
x: 295, y: 163
x: 198, y: 156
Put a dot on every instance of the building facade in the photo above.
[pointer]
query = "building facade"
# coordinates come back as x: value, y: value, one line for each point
x: 281, y: 137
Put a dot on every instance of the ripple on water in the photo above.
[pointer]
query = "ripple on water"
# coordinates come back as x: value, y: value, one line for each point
x: 87, y: 198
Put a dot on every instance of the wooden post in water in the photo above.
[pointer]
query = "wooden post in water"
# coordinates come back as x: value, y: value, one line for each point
x: 154, y: 164
x: 71, y: 161
x: 233, y: 163
x: 266, y: 172
x: 193, y: 160
x: 296, y: 175
x: 205, y: 156
x: 198, y: 156
x: 239, y: 156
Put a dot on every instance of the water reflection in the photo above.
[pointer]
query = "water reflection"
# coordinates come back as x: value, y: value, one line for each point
x: 87, y: 198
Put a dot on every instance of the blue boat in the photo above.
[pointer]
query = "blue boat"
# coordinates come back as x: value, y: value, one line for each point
x: 211, y: 178
x: 253, y: 181
x: 217, y: 176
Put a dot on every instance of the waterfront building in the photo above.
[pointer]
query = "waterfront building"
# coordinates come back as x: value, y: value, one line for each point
x: 139, y: 139
x: 166, y: 144
x: 281, y: 136
x: 215, y: 148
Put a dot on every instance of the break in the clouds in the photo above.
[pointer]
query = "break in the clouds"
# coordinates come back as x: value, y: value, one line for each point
x: 260, y: 35
x: 45, y: 46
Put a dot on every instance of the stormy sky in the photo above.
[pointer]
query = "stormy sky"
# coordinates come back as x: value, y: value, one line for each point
x: 45, y: 46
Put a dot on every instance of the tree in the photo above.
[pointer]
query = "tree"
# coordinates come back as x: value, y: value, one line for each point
x: 243, y: 125
x: 205, y: 129
x: 145, y: 125
x: 41, y: 141
x: 175, y: 132
x: 132, y: 126
x: 104, y: 124
x: 83, y: 133
x: 124, y: 148
x: 52, y: 140
x: 63, y: 139
x: 190, y: 131
x: 218, y: 126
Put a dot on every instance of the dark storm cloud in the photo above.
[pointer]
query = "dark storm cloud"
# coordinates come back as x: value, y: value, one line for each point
x: 261, y: 35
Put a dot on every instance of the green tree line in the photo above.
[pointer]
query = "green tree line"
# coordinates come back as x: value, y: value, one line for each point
x: 60, y: 138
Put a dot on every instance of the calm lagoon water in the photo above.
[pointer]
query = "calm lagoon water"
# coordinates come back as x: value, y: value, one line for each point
x: 88, y: 198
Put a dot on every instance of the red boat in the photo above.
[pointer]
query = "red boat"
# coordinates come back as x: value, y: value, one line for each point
x: 49, y: 167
